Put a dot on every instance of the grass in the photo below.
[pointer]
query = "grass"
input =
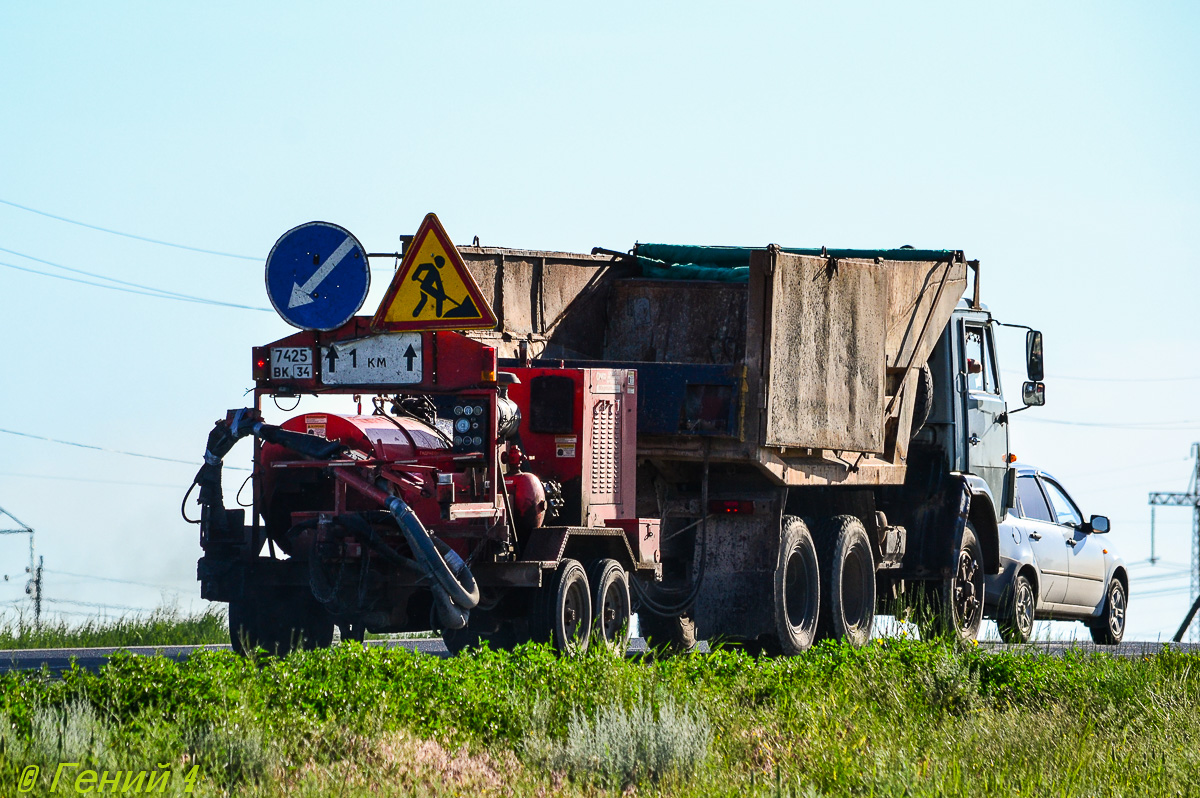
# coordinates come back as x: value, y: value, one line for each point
x: 898, y: 717
x: 166, y: 626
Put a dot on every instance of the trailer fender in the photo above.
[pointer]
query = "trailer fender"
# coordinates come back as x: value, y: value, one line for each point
x: 981, y: 512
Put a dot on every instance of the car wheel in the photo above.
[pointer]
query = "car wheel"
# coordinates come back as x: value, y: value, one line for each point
x: 1017, y: 612
x: 1109, y: 628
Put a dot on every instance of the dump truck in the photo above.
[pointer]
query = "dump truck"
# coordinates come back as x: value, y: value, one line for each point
x: 756, y: 446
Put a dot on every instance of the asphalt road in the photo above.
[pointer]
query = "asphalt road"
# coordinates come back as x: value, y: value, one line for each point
x: 57, y: 660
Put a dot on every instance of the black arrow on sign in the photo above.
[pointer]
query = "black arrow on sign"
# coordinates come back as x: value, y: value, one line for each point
x: 332, y: 357
x: 410, y: 355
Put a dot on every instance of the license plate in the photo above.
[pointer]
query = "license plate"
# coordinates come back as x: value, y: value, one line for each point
x: 291, y: 363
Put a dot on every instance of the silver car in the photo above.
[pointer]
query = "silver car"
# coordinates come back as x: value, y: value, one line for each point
x: 1055, y: 566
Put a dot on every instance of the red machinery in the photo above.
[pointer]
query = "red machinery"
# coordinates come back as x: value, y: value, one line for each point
x: 497, y: 505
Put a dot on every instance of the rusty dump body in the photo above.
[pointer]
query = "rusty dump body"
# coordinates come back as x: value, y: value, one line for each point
x: 807, y: 370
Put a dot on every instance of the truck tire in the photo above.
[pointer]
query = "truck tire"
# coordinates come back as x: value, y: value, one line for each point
x: 673, y: 635
x: 953, y: 607
x: 797, y: 591
x: 847, y: 580
x: 923, y: 400
x: 563, y: 609
x: 1017, y: 612
x: 611, y: 614
x: 1109, y: 628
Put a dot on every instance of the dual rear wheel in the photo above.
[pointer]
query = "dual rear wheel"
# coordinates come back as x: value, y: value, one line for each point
x: 575, y: 607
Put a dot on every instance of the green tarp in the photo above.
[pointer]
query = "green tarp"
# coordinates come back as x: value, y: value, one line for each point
x: 732, y: 264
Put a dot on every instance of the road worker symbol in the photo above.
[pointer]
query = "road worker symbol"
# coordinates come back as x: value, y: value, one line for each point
x: 433, y: 288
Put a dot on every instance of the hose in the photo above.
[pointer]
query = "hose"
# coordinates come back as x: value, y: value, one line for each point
x: 447, y: 569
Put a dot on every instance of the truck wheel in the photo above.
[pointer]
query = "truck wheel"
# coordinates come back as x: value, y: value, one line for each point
x: 610, y: 604
x: 954, y: 606
x: 564, y: 609
x: 1016, y: 612
x: 797, y: 590
x: 847, y: 578
x: 674, y: 635
x: 923, y: 400
x: 1109, y: 628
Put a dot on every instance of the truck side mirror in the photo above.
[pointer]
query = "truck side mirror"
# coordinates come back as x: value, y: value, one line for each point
x: 1034, y: 367
x: 1098, y: 525
x: 1033, y: 394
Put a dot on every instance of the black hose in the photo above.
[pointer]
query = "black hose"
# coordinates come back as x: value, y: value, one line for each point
x: 464, y: 593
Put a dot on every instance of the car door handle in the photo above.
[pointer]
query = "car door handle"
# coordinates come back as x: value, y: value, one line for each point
x: 1035, y: 535
x: 1072, y: 542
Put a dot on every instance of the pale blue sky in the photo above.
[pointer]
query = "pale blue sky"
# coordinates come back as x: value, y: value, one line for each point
x: 1054, y: 142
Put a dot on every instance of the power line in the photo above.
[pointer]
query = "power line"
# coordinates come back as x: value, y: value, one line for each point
x: 97, y: 605
x: 111, y: 451
x: 1110, y: 379
x: 111, y: 579
x: 85, y: 479
x: 163, y: 291
x: 152, y: 292
x: 1146, y: 426
x: 128, y: 235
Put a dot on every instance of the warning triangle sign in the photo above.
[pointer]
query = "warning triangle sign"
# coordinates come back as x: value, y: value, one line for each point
x: 432, y: 289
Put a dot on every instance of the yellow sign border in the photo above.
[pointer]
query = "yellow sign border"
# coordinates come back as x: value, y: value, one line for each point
x: 433, y: 226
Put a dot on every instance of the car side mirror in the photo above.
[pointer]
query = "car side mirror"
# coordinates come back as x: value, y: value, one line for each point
x: 1034, y: 366
x: 1033, y: 394
x: 1098, y: 525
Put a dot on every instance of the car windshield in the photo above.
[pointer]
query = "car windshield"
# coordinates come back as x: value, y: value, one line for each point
x: 1064, y: 509
x: 1033, y: 503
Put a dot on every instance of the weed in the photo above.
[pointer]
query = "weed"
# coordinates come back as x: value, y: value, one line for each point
x: 165, y: 626
x: 618, y: 746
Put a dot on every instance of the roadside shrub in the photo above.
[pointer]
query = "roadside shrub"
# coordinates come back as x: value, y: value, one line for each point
x: 70, y: 733
x: 617, y: 746
x: 234, y: 750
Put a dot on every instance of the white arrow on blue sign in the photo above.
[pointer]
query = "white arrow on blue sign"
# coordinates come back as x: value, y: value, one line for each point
x: 317, y: 276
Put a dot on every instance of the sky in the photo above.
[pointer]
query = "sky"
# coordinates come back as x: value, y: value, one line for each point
x: 1056, y: 143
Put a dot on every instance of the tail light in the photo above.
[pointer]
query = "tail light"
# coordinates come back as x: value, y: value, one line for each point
x: 728, y: 506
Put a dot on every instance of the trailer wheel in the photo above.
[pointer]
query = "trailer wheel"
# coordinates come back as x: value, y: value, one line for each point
x: 610, y: 604
x: 847, y: 576
x: 954, y: 606
x: 563, y: 609
x: 797, y: 591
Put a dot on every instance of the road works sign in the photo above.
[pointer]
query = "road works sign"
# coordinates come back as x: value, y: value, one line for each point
x: 317, y: 276
x: 432, y: 289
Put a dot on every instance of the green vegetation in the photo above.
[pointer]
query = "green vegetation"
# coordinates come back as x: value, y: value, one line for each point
x: 895, y: 718
x: 166, y: 626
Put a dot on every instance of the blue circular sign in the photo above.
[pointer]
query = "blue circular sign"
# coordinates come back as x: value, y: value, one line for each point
x: 317, y: 276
